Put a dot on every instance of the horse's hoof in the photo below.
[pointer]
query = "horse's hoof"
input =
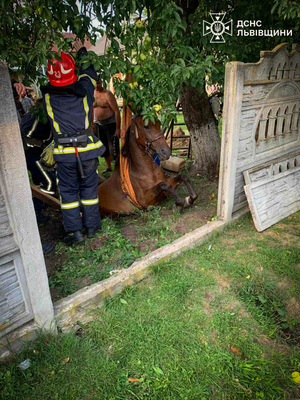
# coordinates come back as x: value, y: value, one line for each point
x: 188, y: 201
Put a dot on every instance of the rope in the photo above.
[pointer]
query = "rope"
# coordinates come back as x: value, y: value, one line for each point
x: 124, y: 162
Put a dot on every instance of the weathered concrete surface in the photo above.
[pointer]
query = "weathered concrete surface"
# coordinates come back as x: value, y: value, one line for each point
x: 260, y: 120
x: 14, y: 341
x: 21, y: 252
x: 273, y: 198
x: 79, y: 306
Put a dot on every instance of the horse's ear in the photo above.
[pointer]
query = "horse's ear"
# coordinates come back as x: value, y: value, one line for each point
x: 157, y: 124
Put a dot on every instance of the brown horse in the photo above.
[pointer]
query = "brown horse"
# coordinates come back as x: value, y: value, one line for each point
x: 147, y: 179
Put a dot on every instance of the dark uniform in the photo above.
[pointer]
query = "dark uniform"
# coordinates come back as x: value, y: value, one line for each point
x: 69, y: 110
x: 36, y: 136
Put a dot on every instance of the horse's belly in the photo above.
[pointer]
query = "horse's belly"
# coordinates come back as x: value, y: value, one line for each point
x: 112, y: 199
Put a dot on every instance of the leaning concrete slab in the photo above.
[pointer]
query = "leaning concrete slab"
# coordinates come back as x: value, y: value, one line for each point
x: 80, y: 305
x: 273, y: 190
x: 25, y: 299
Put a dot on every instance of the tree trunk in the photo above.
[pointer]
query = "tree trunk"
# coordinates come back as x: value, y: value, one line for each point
x: 202, y: 126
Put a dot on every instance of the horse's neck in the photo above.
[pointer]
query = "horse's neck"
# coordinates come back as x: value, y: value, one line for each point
x: 138, y: 158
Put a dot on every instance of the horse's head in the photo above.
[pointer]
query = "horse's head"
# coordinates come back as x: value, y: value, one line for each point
x: 152, y: 137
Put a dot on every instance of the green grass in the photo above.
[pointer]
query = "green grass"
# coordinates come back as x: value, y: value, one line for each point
x: 95, y: 259
x: 180, y: 120
x: 205, y: 326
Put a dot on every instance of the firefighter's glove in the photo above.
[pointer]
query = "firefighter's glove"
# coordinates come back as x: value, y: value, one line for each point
x: 47, y: 156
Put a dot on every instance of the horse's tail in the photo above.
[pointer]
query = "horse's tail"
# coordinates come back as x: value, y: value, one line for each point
x: 125, y: 150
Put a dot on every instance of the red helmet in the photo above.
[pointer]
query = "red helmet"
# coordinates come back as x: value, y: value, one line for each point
x: 62, y: 73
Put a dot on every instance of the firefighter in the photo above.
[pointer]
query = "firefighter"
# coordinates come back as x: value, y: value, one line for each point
x: 68, y: 101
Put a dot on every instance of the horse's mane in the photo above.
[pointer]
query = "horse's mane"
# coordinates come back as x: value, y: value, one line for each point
x: 126, y: 148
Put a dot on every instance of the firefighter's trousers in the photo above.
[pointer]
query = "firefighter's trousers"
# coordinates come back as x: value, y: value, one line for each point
x: 76, y: 192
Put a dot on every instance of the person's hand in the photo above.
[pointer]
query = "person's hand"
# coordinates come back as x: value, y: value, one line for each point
x: 21, y: 89
x: 117, y: 133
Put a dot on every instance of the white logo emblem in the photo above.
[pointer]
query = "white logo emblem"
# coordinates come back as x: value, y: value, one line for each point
x: 217, y: 28
x: 57, y: 74
x: 51, y: 70
x: 64, y: 71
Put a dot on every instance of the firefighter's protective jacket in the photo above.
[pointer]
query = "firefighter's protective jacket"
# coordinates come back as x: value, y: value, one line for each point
x: 69, y: 110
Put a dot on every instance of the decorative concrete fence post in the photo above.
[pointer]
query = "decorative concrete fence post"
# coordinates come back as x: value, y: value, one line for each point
x: 261, y: 121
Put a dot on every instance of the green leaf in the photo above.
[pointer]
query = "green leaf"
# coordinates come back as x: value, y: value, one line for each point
x: 123, y: 301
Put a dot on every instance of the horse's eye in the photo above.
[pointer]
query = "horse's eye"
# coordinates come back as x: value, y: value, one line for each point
x: 146, y: 127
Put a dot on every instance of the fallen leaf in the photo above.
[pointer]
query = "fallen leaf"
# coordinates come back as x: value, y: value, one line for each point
x: 35, y: 352
x: 212, y: 195
x: 297, y: 379
x: 133, y: 380
x: 260, y: 267
x: 248, y: 277
x: 66, y: 360
x: 234, y: 350
x: 277, y: 233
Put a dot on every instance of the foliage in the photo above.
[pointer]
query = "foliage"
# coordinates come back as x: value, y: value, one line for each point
x: 163, y: 46
x: 288, y: 10
x: 30, y: 29
x: 159, y: 42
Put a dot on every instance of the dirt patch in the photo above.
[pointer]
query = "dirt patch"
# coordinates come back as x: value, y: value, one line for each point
x: 191, y: 221
x: 284, y: 283
x: 271, y: 346
x: 147, y: 246
x: 83, y: 281
x: 234, y: 240
x: 293, y: 308
x: 99, y: 242
x: 286, y: 238
x: 237, y: 306
x: 223, y: 283
x: 52, y: 231
x: 54, y: 261
x: 129, y: 232
x: 207, y: 308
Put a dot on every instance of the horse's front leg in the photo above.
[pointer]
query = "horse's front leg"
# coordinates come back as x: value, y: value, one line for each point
x: 174, y: 182
x: 166, y: 187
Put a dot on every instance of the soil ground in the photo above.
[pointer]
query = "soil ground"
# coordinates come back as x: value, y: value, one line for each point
x: 123, y: 239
